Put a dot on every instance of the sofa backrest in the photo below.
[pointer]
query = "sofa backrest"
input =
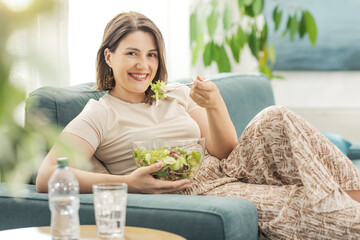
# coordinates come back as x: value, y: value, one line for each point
x: 59, y: 104
x: 244, y: 94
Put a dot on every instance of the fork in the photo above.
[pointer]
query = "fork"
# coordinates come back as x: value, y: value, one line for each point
x: 183, y: 84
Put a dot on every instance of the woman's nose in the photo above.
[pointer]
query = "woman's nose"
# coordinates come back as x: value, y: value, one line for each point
x: 142, y: 63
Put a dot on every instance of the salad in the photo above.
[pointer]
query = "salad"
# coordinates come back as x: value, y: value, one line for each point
x: 159, y: 89
x: 178, y: 163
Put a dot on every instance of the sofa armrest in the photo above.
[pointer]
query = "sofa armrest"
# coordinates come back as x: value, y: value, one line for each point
x: 193, y: 217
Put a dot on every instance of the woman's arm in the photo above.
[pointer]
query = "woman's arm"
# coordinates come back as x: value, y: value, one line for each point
x: 214, y: 121
x: 139, y: 181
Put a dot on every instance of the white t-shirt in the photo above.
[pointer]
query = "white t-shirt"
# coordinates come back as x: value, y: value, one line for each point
x: 110, y: 125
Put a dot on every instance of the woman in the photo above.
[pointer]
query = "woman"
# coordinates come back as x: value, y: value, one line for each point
x: 302, y: 185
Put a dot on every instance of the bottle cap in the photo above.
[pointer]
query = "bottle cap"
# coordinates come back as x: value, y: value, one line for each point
x: 62, y: 162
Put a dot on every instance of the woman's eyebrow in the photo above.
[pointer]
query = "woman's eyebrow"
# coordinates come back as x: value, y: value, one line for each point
x: 138, y: 50
x: 133, y: 49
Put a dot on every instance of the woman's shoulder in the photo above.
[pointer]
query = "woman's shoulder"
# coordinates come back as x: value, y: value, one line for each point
x: 95, y: 108
x: 181, y: 93
x: 94, y: 105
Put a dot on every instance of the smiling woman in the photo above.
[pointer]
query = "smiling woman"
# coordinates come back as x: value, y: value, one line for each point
x: 281, y: 163
x: 134, y: 65
x: 130, y: 57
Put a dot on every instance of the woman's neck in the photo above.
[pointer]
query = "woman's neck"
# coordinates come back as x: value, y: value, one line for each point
x: 127, y: 97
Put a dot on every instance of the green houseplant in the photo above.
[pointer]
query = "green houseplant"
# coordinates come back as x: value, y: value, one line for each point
x: 22, y: 149
x: 220, y: 30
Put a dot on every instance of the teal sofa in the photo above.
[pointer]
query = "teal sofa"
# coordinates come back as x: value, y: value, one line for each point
x: 193, y: 217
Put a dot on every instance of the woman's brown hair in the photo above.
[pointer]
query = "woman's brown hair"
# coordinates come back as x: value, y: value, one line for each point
x: 114, y: 32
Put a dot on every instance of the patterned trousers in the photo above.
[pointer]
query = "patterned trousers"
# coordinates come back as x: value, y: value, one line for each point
x: 293, y: 174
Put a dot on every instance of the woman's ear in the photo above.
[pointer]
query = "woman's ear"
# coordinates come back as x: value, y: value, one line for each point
x: 107, y: 55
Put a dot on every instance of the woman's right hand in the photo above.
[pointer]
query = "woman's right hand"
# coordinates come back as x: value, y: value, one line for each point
x: 141, y: 181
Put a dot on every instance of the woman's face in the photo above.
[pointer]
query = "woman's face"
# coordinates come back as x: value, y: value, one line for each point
x: 134, y: 64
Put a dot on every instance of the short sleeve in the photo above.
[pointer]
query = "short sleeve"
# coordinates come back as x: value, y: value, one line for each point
x: 183, y: 96
x: 89, y: 124
x: 191, y: 104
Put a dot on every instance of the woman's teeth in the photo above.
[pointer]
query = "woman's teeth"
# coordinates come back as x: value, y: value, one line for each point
x: 140, y: 76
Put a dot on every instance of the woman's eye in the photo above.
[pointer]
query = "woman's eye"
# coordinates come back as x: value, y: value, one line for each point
x: 152, y: 55
x: 131, y: 53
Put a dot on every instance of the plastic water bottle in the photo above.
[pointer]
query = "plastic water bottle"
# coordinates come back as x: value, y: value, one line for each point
x: 64, y: 202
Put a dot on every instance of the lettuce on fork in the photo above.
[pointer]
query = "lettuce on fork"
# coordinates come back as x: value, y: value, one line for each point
x: 159, y: 89
x: 177, y: 163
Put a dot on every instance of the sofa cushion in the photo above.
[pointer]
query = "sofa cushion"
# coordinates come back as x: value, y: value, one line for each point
x: 193, y: 217
x: 59, y: 105
x: 339, y: 141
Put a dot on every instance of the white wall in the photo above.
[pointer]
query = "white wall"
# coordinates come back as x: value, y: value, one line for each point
x: 328, y: 100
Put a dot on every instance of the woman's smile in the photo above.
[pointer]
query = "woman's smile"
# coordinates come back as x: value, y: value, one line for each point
x: 139, y: 76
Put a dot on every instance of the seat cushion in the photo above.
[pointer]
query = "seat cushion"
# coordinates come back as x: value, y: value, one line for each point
x: 193, y: 217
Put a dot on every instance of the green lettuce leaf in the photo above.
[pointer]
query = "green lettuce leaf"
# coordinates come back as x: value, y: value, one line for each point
x: 159, y: 89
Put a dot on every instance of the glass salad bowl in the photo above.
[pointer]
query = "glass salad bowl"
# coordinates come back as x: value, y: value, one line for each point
x: 181, y: 157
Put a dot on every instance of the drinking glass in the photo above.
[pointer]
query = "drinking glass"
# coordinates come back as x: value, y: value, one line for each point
x: 110, y: 209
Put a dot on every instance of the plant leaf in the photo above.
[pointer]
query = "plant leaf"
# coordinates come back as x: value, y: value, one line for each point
x: 212, y: 21
x: 249, y: 11
x: 236, y: 43
x: 257, y: 7
x: 199, y: 45
x: 234, y: 46
x: 243, y: 3
x: 294, y: 26
x: 208, y: 54
x: 266, y: 70
x: 193, y: 27
x: 222, y: 59
x: 253, y: 43
x: 302, y: 26
x: 310, y: 27
x: 272, y: 55
x: 263, y: 37
x: 263, y: 58
x: 227, y: 17
x: 241, y: 36
x: 277, y: 17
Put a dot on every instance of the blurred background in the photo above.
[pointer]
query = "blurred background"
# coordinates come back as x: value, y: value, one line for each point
x: 320, y: 81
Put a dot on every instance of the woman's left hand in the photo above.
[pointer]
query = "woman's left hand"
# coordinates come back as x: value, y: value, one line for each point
x: 205, y: 93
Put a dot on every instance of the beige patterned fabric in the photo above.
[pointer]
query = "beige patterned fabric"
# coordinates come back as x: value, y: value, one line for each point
x: 293, y: 174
